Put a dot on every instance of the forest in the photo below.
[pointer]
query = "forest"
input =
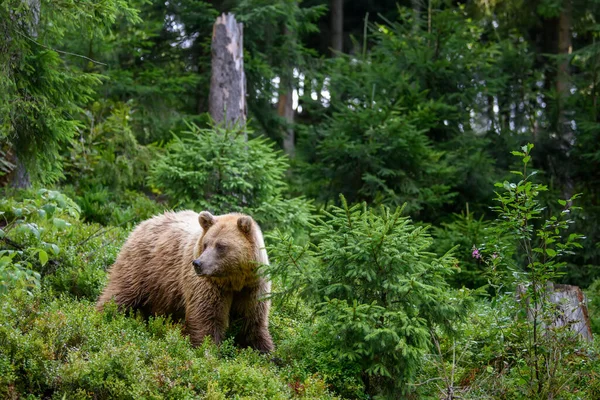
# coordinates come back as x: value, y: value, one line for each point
x: 426, y: 175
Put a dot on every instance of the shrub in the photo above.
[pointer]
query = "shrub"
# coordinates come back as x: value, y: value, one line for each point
x: 88, y: 251
x: 463, y: 231
x: 107, y: 154
x: 377, y: 292
x: 26, y: 235
x: 217, y: 169
x: 43, y: 242
x: 515, y: 346
x: 61, y: 348
x: 121, y: 208
x: 593, y: 294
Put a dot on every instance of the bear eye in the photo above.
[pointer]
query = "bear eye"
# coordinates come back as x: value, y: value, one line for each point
x: 220, y: 247
x: 205, y: 246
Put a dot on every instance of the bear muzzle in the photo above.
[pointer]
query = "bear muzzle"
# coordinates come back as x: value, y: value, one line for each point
x: 203, y: 268
x: 198, y: 264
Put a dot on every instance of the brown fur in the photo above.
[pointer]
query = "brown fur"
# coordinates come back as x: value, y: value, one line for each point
x: 199, y: 267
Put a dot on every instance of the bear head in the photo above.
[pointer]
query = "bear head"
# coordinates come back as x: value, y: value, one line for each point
x: 229, y: 249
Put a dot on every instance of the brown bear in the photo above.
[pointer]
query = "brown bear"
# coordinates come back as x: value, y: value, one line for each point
x: 197, y: 267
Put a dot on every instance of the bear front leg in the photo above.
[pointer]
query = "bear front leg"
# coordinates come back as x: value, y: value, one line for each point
x: 207, y: 314
x: 254, y: 313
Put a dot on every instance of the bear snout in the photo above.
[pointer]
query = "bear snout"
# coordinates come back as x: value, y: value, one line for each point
x: 198, y: 264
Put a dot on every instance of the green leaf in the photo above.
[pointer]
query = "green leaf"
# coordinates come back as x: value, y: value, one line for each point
x: 60, y: 223
x: 55, y: 249
x: 562, y: 202
x: 43, y: 257
x: 49, y: 209
x: 551, y: 252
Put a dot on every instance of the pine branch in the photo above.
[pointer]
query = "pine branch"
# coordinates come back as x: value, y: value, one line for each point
x: 60, y: 51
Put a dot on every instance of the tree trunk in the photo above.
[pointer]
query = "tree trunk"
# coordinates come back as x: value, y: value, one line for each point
x: 285, y: 105
x: 416, y: 6
x: 562, y: 72
x: 227, y: 99
x: 563, y: 91
x: 285, y: 110
x: 337, y: 27
x: 20, y: 175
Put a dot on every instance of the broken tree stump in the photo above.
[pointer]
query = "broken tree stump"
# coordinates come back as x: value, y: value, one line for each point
x: 227, y: 98
x: 571, y: 308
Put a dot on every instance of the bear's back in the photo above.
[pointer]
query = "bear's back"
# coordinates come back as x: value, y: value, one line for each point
x: 155, y: 257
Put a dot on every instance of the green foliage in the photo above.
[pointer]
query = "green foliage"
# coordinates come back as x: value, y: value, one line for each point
x: 542, y: 242
x: 65, y: 349
x: 517, y: 344
x: 120, y: 208
x: 377, y: 291
x: 401, y: 123
x: 106, y: 166
x: 42, y: 93
x: 42, y: 237
x: 159, y: 65
x: 593, y: 295
x: 88, y: 251
x: 107, y: 154
x: 464, y: 231
x: 217, y: 169
x: 303, y: 346
x: 529, y: 352
x: 275, y: 54
x: 420, y: 111
x: 25, y: 236
x: 487, y: 360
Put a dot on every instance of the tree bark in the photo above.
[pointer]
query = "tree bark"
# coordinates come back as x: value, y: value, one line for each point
x: 416, y: 7
x: 337, y: 27
x: 20, y: 176
x: 571, y: 309
x: 565, y: 44
x: 285, y: 105
x: 563, y: 83
x: 285, y: 110
x: 227, y: 99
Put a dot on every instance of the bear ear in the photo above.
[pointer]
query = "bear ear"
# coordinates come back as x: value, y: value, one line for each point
x: 206, y: 220
x: 245, y: 224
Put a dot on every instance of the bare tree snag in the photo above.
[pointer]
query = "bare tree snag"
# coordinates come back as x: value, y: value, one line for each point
x: 227, y: 99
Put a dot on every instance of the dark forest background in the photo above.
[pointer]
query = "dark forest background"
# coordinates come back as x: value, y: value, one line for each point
x: 417, y: 104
